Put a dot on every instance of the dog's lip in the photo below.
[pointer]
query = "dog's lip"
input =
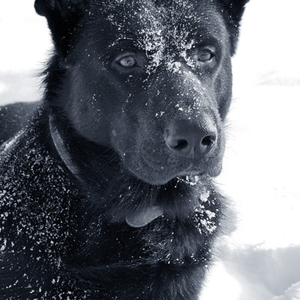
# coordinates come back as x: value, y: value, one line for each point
x: 161, y: 173
x: 166, y: 179
x: 165, y: 175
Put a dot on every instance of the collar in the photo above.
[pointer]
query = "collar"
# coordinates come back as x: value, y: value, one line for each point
x: 62, y: 149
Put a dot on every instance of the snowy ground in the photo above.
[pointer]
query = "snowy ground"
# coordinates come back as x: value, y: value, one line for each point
x: 261, y: 259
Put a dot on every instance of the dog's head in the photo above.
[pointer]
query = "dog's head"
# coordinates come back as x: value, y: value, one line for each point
x: 149, y: 79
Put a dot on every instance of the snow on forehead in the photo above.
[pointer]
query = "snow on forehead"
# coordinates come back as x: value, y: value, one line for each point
x: 152, y: 23
x: 161, y: 28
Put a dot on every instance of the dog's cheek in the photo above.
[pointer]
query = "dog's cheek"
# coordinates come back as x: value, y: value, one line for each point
x: 124, y: 133
x: 90, y: 123
x: 130, y: 129
x: 88, y: 110
x: 223, y: 88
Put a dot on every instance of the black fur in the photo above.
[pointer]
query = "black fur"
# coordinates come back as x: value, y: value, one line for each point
x: 14, y: 117
x: 74, y: 177
x: 235, y: 10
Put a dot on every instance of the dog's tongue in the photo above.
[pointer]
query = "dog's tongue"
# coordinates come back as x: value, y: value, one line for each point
x: 144, y: 216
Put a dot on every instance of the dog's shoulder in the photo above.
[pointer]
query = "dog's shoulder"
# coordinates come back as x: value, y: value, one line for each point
x: 14, y: 117
x: 35, y: 198
x: 32, y: 180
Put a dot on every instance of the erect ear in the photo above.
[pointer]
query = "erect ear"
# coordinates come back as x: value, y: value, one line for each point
x: 234, y: 10
x: 62, y: 17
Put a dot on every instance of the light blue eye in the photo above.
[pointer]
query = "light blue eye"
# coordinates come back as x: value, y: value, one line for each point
x: 204, y: 55
x: 127, y: 61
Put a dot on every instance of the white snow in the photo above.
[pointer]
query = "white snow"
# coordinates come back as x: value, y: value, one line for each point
x: 260, y: 260
x: 292, y: 293
x: 25, y: 47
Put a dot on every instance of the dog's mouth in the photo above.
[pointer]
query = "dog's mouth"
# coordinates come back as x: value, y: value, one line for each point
x: 161, y: 173
x: 170, y: 201
x: 189, y: 174
x: 144, y: 216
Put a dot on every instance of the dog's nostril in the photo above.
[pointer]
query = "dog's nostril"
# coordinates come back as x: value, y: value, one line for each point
x: 206, y: 144
x: 208, y: 141
x: 181, y: 144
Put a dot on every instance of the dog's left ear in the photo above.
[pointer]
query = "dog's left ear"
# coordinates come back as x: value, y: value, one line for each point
x: 235, y: 10
x: 63, y: 17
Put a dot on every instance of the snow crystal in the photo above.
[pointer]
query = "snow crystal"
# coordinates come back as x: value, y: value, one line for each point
x: 205, y: 196
x: 9, y: 144
x: 4, y: 242
x: 207, y: 218
x: 192, y: 180
x: 160, y: 114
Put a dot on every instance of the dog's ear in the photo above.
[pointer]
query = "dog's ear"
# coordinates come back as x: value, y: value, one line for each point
x: 235, y: 10
x: 62, y: 17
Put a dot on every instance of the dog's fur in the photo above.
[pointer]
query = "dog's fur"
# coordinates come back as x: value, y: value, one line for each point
x: 14, y: 117
x: 107, y: 193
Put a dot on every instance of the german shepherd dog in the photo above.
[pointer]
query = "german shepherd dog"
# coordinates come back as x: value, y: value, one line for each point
x: 108, y: 192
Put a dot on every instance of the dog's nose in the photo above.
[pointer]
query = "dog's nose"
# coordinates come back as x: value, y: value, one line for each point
x: 190, y: 140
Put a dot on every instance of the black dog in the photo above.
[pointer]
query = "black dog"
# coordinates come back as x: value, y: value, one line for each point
x: 107, y: 193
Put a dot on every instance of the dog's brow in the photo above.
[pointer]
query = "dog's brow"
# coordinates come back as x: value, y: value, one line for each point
x: 208, y: 40
x: 124, y: 39
x: 129, y: 40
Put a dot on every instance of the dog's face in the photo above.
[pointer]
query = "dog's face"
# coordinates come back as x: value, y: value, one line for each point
x: 152, y: 80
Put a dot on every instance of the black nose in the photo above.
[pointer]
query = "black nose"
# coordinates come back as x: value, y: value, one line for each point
x: 190, y: 140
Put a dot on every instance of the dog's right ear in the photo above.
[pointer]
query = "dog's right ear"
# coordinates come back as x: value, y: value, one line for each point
x: 235, y: 10
x: 63, y: 17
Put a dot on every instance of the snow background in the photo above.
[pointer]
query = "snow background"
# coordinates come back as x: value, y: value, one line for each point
x: 260, y: 260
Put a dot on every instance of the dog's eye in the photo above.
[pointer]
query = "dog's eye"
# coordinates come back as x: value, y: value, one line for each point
x: 127, y: 61
x: 204, y: 55
x: 201, y: 56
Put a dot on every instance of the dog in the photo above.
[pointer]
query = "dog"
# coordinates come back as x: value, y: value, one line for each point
x: 108, y: 192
